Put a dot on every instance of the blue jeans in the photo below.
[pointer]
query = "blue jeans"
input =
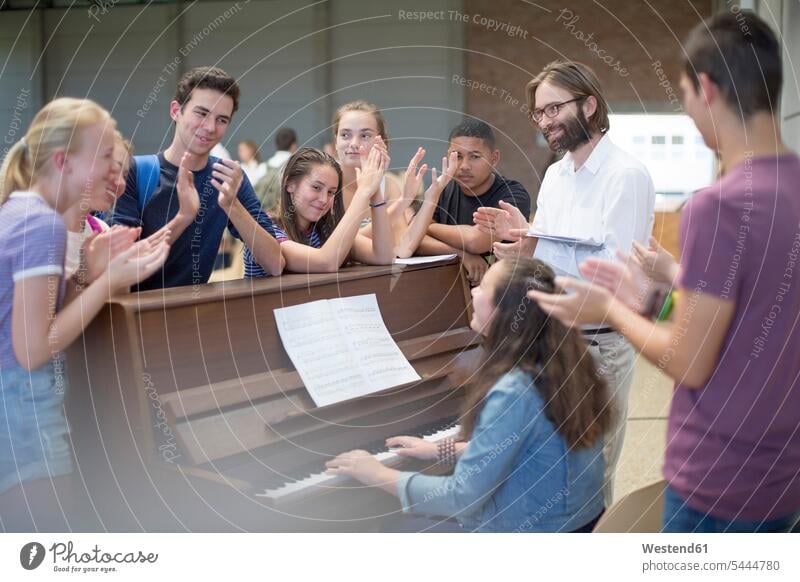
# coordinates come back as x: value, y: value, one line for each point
x: 679, y: 517
x: 33, y: 429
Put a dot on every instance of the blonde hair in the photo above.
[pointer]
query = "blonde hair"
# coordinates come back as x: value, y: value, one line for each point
x: 366, y: 107
x: 125, y: 143
x: 58, y: 125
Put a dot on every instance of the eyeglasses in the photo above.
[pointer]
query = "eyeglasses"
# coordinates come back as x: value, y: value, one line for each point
x: 549, y: 111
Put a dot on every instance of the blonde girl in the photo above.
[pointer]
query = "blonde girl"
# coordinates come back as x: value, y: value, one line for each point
x: 64, y: 159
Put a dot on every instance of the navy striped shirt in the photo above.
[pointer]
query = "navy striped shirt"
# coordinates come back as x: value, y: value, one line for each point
x: 253, y: 269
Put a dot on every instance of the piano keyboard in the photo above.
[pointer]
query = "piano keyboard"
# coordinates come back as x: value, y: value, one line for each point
x: 301, y: 488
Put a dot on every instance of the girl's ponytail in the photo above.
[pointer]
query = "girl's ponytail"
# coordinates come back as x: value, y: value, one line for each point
x: 15, y: 173
x: 57, y: 126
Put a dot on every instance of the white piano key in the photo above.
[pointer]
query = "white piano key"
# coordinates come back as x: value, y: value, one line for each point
x: 304, y: 487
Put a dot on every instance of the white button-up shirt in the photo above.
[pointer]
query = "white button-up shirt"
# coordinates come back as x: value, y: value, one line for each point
x: 610, y: 199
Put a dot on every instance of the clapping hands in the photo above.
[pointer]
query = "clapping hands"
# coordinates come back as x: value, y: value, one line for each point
x: 656, y: 262
x: 624, y: 279
x: 412, y: 183
x: 188, y: 197
x: 504, y: 223
x: 99, y: 249
x: 370, y: 174
x: 438, y: 183
x: 227, y: 177
x: 137, y: 263
x: 589, y: 301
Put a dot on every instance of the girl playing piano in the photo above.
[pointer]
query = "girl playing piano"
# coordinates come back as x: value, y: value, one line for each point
x: 532, y: 452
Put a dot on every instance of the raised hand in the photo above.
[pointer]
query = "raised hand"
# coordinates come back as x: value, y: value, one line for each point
x: 414, y: 178
x: 227, y: 177
x: 379, y: 144
x: 504, y: 223
x: 656, y: 262
x: 413, y: 447
x: 188, y: 198
x: 370, y: 174
x: 438, y: 184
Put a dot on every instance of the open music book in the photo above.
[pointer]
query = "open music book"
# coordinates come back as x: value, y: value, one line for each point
x: 342, y: 349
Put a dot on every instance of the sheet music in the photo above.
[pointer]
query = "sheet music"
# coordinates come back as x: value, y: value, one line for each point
x: 424, y: 260
x: 342, y: 349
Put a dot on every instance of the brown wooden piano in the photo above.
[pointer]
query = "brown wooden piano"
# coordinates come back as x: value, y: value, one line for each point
x: 187, y: 414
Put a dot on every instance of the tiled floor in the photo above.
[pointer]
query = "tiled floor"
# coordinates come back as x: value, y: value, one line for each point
x: 643, y: 451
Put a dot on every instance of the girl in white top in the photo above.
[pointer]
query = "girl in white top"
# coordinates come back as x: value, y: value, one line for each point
x: 359, y: 126
x: 90, y: 234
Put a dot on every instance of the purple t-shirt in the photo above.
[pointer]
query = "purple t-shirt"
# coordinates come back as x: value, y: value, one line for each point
x: 33, y: 240
x: 733, y: 447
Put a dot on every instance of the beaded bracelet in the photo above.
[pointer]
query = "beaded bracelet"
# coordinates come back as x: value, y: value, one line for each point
x: 446, y: 452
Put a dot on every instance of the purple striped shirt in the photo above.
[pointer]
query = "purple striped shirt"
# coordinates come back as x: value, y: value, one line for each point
x: 33, y: 240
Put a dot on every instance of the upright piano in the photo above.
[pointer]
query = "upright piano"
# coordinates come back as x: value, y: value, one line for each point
x: 186, y: 413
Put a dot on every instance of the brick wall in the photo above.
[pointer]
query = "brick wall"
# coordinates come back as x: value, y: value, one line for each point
x: 507, y: 43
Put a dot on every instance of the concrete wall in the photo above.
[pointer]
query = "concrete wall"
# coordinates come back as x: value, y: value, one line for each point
x: 20, y: 74
x: 423, y: 63
x: 296, y: 63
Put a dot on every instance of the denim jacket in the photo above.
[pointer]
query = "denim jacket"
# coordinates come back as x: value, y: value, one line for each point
x: 517, y: 474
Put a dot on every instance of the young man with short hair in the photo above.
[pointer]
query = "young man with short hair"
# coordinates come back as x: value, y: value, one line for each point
x: 192, y: 194
x: 477, y: 184
x: 732, y: 461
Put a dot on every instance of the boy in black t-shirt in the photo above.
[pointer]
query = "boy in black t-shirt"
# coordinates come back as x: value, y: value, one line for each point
x: 476, y: 184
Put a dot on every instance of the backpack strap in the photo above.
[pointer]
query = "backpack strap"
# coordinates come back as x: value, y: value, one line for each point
x: 148, y: 173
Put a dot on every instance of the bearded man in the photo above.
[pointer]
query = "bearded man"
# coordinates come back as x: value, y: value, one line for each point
x: 595, y: 193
